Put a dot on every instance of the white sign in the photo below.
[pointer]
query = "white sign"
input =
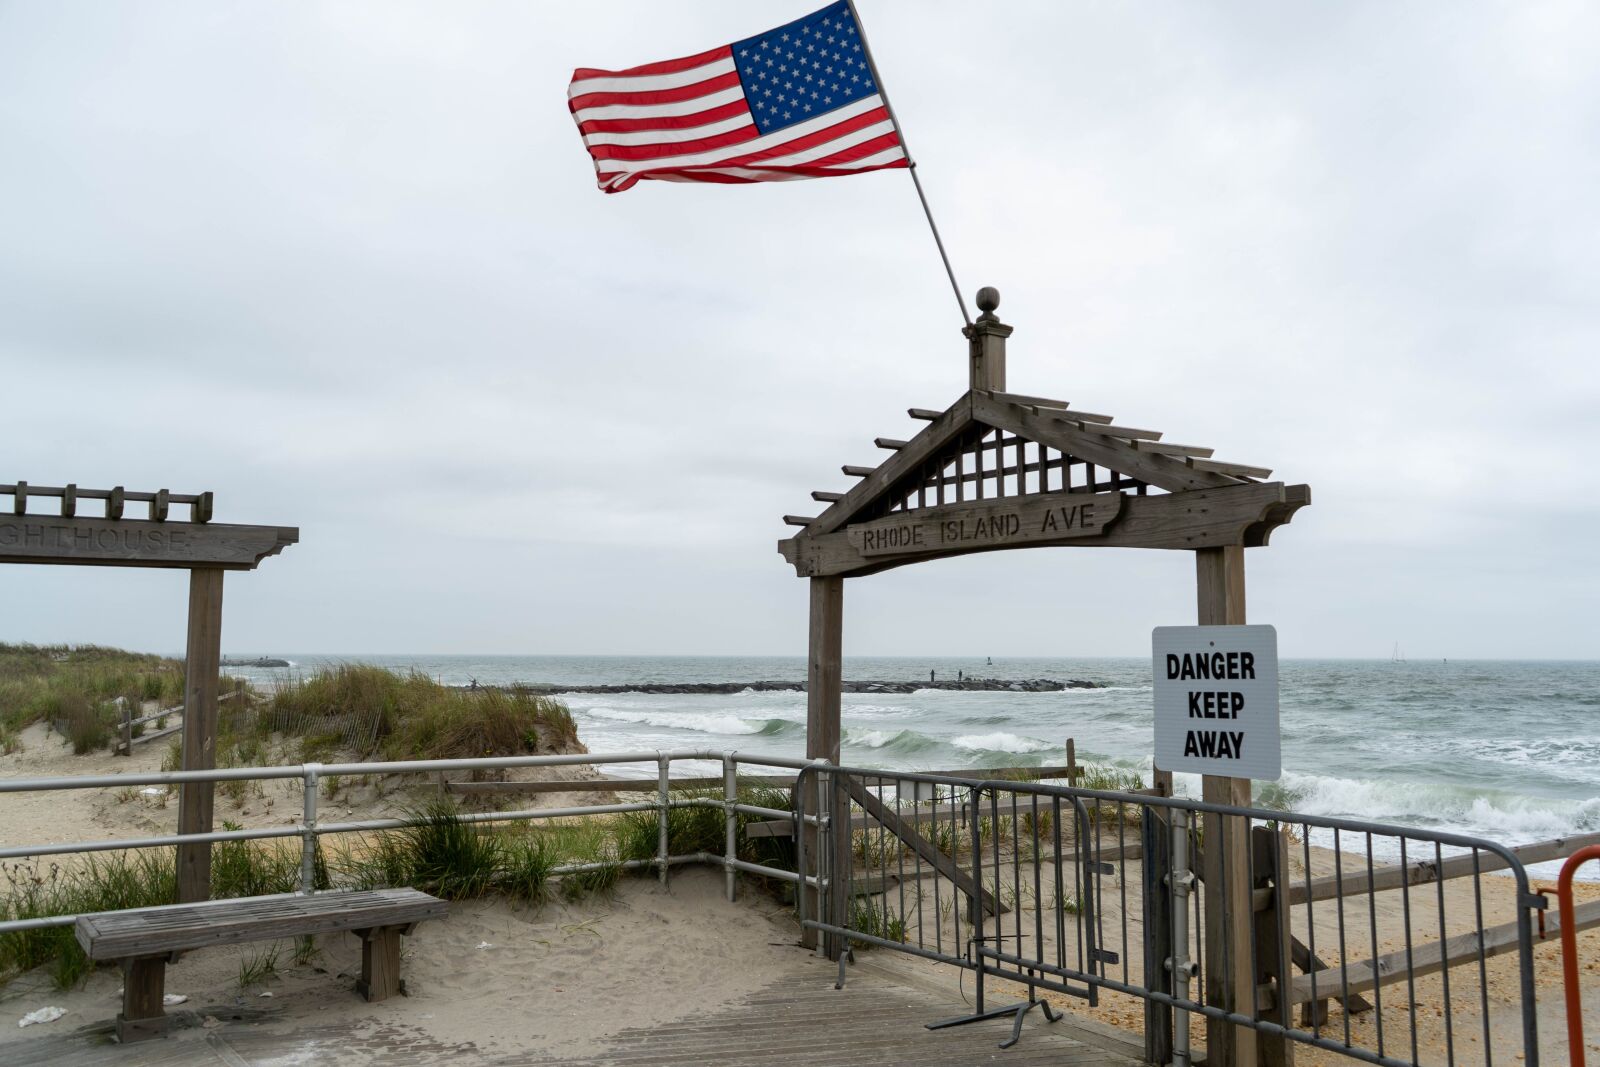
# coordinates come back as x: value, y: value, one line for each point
x: 1216, y: 700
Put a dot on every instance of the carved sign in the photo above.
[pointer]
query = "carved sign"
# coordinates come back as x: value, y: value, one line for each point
x: 1007, y: 521
x: 133, y: 543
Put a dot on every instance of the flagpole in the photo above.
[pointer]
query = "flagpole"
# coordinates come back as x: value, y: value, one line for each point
x: 911, y: 164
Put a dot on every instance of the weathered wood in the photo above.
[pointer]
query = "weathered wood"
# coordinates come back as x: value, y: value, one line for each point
x: 1023, y: 398
x: 380, y: 963
x: 114, y: 503
x: 144, y: 986
x: 86, y: 540
x: 986, y: 344
x: 1054, y: 430
x: 891, y: 443
x: 824, y: 673
x: 1220, y: 595
x: 925, y: 414
x: 1238, y: 470
x: 906, y: 831
x: 1317, y: 1014
x: 1128, y: 432
x: 825, y: 498
x: 159, y: 505
x: 202, y: 667
x: 144, y: 932
x: 1270, y: 855
x: 855, y: 471
x: 1422, y: 872
x: 1012, y: 521
x: 799, y: 520
x: 649, y: 785
x: 1163, y: 448
x: 924, y: 446
x: 1429, y: 958
x: 1238, y: 514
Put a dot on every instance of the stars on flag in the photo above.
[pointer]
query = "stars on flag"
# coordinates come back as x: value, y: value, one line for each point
x: 817, y: 51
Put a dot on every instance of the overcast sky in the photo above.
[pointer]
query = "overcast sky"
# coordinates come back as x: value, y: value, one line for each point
x: 345, y: 265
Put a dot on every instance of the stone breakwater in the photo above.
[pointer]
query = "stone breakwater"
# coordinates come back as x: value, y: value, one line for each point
x: 973, y: 685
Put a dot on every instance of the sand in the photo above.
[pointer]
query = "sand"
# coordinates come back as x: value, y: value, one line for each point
x: 491, y: 977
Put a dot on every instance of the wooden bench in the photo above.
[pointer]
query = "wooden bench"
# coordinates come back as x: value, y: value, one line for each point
x: 145, y: 940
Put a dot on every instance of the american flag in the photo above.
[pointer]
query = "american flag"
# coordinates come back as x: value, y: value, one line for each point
x: 799, y: 101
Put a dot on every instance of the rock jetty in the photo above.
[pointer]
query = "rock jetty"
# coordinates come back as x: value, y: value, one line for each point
x: 263, y: 661
x: 975, y: 685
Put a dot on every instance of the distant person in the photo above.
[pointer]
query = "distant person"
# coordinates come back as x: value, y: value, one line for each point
x: 960, y: 676
x: 930, y: 676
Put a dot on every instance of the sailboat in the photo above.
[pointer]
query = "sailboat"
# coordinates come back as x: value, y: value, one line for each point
x: 1397, y: 657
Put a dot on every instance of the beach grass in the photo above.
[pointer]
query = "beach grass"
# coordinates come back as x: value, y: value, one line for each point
x: 76, y: 689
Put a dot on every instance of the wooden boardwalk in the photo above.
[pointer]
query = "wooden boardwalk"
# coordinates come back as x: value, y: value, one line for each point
x: 801, y: 1020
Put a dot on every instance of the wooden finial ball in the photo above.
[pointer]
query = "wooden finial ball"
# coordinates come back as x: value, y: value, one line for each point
x: 988, y: 298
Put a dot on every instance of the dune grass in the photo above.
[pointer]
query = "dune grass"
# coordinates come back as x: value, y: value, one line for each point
x: 75, y: 687
x: 380, y: 713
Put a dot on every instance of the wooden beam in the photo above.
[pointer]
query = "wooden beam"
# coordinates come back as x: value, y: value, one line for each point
x: 891, y: 443
x: 1126, y: 432
x: 925, y: 414
x: 1057, y: 432
x: 202, y: 668
x: 799, y: 520
x: 649, y: 785
x: 950, y: 424
x: 825, y: 498
x: 857, y: 472
x: 1238, y: 470
x: 92, y: 541
x: 1430, y: 958
x: 1220, y: 596
x: 1033, y: 401
x: 1204, y: 518
x: 1422, y: 872
x: 930, y: 854
x: 1164, y: 449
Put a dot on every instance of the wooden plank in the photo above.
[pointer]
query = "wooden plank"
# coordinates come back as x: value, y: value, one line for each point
x: 857, y: 472
x: 183, y: 927
x: 825, y: 498
x: 891, y: 443
x: 649, y: 785
x: 925, y: 414
x: 930, y: 854
x: 1015, y: 520
x: 1424, y: 871
x: 1164, y: 472
x: 950, y: 424
x: 1430, y: 958
x: 1128, y: 432
x: 1239, y: 514
x: 1163, y: 448
x: 1237, y: 470
x: 88, y: 540
x: 1021, y: 398
x: 202, y: 670
x: 799, y: 520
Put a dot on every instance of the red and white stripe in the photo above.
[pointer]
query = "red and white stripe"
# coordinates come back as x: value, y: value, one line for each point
x: 687, y: 120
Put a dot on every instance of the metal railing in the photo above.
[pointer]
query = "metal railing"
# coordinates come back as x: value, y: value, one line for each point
x: 311, y: 829
x: 1278, y: 918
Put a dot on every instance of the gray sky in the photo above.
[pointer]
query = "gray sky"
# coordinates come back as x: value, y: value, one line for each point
x: 345, y: 265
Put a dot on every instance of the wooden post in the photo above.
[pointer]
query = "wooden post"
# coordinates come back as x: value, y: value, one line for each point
x: 202, y: 665
x: 125, y: 735
x: 1271, y: 860
x: 1219, y: 580
x: 143, y: 1007
x: 824, y: 674
x: 986, y: 344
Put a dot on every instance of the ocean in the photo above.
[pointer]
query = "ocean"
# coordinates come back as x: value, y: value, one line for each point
x: 1507, y: 750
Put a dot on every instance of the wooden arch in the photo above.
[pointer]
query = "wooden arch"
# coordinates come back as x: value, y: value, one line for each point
x: 206, y: 550
x: 997, y: 470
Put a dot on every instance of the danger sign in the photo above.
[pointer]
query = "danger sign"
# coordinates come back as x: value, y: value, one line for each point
x: 1216, y: 700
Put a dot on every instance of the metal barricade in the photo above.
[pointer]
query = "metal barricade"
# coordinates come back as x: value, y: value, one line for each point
x: 1265, y: 928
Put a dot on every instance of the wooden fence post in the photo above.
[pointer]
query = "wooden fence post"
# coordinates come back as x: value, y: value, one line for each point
x: 1270, y: 857
x: 201, y: 666
x: 824, y: 673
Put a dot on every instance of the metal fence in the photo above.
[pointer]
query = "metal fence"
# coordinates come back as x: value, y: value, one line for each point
x: 1262, y: 928
x: 312, y: 829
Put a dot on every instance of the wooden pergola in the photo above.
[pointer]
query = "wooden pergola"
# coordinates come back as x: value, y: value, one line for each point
x: 206, y: 550
x: 997, y: 470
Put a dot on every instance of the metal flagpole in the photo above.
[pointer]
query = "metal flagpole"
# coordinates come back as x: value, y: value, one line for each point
x: 911, y: 164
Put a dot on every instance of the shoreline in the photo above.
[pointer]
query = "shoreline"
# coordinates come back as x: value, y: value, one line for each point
x: 968, y: 685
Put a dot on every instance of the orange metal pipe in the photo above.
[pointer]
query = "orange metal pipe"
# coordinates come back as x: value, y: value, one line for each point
x: 1569, y: 949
